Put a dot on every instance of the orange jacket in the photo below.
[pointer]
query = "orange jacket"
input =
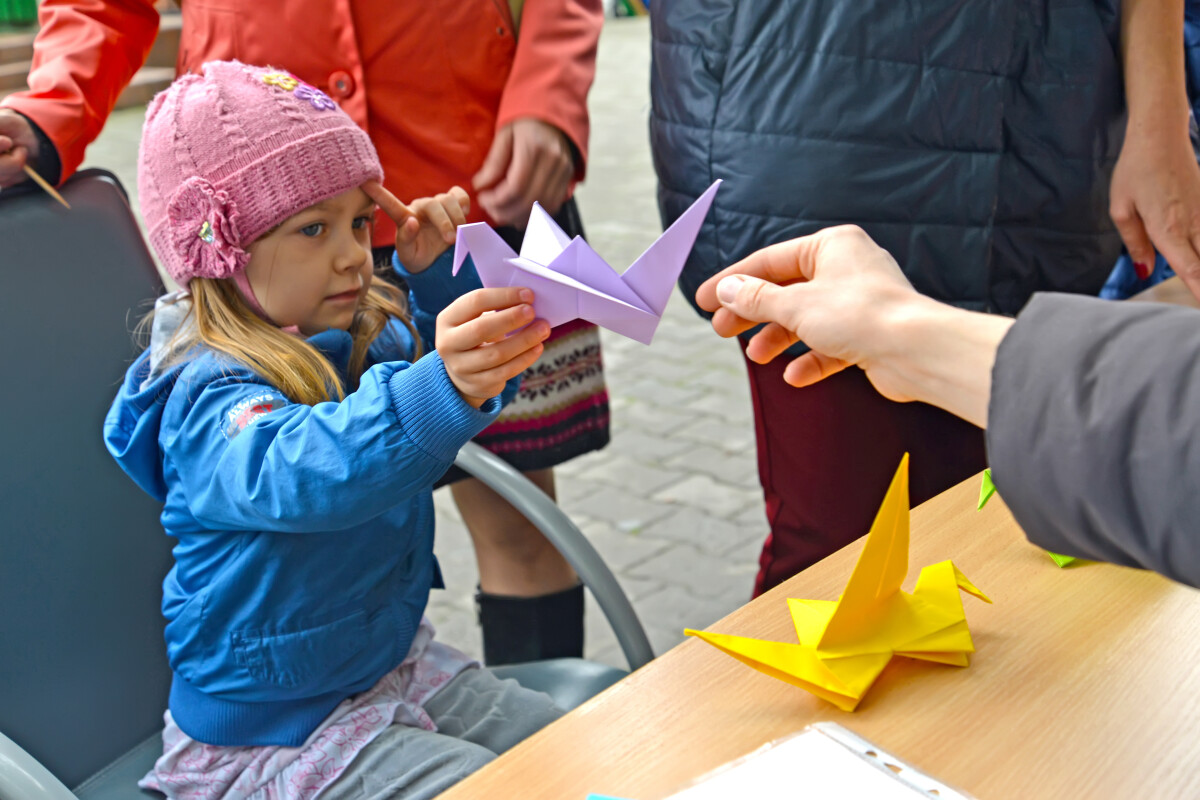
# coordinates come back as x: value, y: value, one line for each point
x: 431, y: 83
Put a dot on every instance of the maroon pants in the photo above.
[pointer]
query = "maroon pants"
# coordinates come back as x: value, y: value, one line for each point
x: 826, y: 454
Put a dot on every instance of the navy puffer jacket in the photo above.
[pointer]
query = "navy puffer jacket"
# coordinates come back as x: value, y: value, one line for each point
x: 974, y: 140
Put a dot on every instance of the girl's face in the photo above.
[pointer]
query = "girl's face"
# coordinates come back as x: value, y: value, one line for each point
x: 314, y: 269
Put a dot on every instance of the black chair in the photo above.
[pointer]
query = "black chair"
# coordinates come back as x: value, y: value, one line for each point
x: 83, y: 673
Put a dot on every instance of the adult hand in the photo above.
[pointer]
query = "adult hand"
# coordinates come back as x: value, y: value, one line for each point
x: 529, y: 161
x: 1155, y: 201
x: 835, y: 290
x: 425, y: 227
x: 486, y: 338
x: 846, y: 298
x: 18, y: 147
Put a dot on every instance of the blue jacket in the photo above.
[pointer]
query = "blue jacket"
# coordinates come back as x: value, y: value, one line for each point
x: 973, y: 140
x: 305, y: 533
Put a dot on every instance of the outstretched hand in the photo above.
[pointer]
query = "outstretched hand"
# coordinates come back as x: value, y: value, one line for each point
x: 424, y: 228
x: 835, y: 290
x: 486, y: 338
x: 845, y: 297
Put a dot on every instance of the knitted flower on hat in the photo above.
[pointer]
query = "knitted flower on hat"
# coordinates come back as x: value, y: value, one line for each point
x: 202, y: 221
x: 232, y: 152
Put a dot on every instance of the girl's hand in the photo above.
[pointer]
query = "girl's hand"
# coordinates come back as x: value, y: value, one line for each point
x: 486, y: 338
x: 426, y: 227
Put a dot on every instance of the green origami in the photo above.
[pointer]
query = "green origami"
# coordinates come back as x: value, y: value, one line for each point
x: 987, y: 489
x: 1062, y: 561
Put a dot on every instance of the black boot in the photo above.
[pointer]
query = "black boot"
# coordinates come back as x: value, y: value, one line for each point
x: 519, y: 629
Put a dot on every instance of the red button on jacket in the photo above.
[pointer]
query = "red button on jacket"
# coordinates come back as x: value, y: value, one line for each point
x: 341, y: 85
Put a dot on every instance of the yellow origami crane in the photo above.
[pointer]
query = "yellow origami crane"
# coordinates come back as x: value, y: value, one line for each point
x: 845, y: 644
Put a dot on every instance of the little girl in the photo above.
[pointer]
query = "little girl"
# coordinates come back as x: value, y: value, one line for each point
x: 284, y: 419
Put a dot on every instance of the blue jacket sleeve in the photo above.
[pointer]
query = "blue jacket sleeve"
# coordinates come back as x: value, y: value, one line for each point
x: 326, y: 467
x: 432, y: 289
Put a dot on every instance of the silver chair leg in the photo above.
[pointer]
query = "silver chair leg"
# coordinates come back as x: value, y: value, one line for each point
x: 557, y: 527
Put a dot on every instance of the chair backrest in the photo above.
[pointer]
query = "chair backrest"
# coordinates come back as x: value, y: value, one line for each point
x: 83, y: 673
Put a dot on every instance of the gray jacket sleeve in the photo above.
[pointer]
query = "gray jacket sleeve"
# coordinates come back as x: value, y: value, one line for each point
x: 1094, y: 431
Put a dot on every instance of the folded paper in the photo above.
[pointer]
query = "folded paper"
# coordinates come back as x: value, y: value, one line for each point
x: 844, y: 644
x: 987, y: 489
x: 1061, y: 560
x: 571, y: 281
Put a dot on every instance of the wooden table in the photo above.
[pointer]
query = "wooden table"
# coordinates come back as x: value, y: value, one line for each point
x: 1085, y: 683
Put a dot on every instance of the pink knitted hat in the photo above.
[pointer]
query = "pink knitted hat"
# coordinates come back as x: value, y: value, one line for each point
x: 229, y: 154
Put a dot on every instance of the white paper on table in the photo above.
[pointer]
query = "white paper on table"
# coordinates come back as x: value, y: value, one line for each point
x: 823, y: 761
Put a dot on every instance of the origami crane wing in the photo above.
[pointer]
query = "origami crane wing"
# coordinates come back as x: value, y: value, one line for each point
x: 571, y: 281
x: 881, y: 568
x: 841, y: 681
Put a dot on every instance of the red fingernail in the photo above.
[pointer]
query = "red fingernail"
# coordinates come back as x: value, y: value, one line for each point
x: 1143, y: 271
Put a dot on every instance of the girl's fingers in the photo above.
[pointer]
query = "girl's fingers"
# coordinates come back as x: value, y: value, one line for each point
x: 407, y: 232
x: 434, y: 213
x: 487, y: 328
x: 480, y: 360
x: 388, y: 203
x: 508, y: 370
x: 461, y: 197
x: 454, y: 208
x: 474, y: 304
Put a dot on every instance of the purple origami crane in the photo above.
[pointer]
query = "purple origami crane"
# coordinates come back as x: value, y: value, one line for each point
x: 571, y: 281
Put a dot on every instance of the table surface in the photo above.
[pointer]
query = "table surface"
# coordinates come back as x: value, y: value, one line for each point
x: 1085, y: 684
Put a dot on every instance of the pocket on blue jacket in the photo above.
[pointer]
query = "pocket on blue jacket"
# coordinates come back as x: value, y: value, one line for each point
x: 310, y: 660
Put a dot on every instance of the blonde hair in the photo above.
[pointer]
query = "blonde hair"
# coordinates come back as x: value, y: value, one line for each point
x: 224, y: 322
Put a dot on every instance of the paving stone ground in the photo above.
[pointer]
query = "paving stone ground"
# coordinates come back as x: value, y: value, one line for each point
x: 672, y: 504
